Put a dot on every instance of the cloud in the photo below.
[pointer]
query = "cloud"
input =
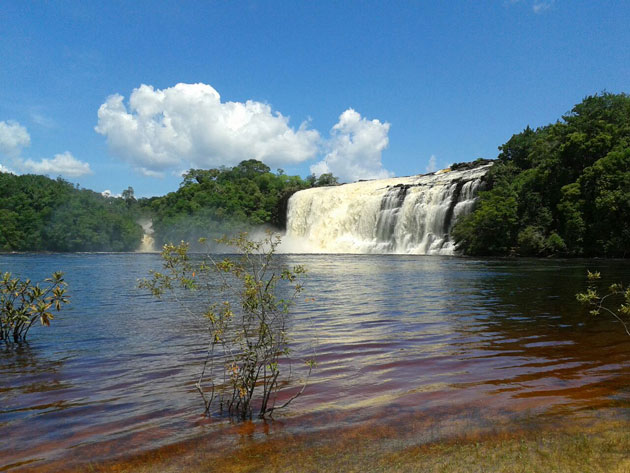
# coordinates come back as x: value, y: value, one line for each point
x: 541, y: 6
x: 13, y: 137
x: 188, y: 125
x: 42, y: 120
x: 150, y: 173
x: 356, y: 146
x: 108, y: 193
x: 62, y: 164
x: 6, y: 169
x: 538, y: 6
x: 432, y: 166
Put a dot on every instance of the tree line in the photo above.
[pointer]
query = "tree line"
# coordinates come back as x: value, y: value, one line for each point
x: 42, y: 214
x: 211, y: 203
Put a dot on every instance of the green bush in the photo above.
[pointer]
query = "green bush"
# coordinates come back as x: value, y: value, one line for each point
x: 22, y: 303
x: 531, y: 242
x: 555, y: 244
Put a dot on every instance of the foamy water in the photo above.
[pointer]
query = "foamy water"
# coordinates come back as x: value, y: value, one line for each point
x: 405, y: 215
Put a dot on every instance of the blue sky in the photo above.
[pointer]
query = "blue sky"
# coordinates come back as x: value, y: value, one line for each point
x: 362, y: 89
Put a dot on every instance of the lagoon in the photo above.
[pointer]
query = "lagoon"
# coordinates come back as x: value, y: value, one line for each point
x: 428, y: 347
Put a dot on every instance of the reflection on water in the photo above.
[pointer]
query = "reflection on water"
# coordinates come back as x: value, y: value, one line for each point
x: 398, y: 338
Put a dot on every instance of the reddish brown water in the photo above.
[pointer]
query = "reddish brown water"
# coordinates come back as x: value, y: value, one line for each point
x: 423, y: 346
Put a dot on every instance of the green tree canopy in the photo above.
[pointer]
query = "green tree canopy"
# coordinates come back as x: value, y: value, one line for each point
x: 214, y: 202
x: 42, y: 214
x: 560, y: 189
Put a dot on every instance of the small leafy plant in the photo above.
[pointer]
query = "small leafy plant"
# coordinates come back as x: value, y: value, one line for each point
x: 22, y: 303
x: 598, y: 302
x: 248, y: 355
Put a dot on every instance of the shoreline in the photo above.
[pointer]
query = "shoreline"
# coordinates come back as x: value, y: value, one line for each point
x: 593, y: 442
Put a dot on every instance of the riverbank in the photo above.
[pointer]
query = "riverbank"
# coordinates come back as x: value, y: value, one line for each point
x: 587, y: 444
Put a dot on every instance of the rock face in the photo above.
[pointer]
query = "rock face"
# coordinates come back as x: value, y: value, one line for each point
x: 471, y: 165
x: 412, y: 215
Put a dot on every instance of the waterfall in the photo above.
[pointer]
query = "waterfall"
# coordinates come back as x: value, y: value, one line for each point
x: 399, y: 215
x: 148, y: 243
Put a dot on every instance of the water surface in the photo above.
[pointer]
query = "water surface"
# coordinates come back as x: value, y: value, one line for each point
x: 396, y: 337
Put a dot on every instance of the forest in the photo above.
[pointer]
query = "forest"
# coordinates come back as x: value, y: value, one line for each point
x: 561, y: 189
x: 42, y: 214
x: 211, y: 203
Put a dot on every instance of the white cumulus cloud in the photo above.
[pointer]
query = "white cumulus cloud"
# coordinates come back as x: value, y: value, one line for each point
x: 356, y: 146
x: 13, y: 137
x: 108, y: 193
x: 188, y: 125
x: 62, y: 164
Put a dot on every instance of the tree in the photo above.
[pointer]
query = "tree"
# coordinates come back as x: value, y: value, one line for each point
x: 38, y: 213
x: 22, y: 303
x: 128, y: 196
x: 250, y: 168
x: 199, y: 176
x: 225, y: 200
x: 491, y: 229
x: 326, y: 179
x: 248, y: 342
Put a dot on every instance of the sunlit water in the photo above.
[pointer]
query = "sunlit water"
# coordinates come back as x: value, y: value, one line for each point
x: 395, y: 337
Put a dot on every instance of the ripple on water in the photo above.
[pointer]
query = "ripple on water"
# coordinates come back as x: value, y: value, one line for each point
x: 397, y: 337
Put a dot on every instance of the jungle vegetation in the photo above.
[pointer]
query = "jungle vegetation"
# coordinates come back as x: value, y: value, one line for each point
x: 561, y: 189
x: 42, y: 214
x: 214, y: 202
x: 23, y: 302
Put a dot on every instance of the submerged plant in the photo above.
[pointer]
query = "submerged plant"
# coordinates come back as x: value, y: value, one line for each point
x: 248, y: 355
x: 22, y: 303
x: 601, y: 303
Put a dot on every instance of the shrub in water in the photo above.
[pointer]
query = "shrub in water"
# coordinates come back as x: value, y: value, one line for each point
x: 22, y: 303
x: 247, y: 320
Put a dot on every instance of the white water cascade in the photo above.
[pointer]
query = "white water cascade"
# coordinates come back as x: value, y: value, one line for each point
x: 412, y: 215
x: 148, y: 243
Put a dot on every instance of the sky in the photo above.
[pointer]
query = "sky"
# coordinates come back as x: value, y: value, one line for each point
x: 112, y: 94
